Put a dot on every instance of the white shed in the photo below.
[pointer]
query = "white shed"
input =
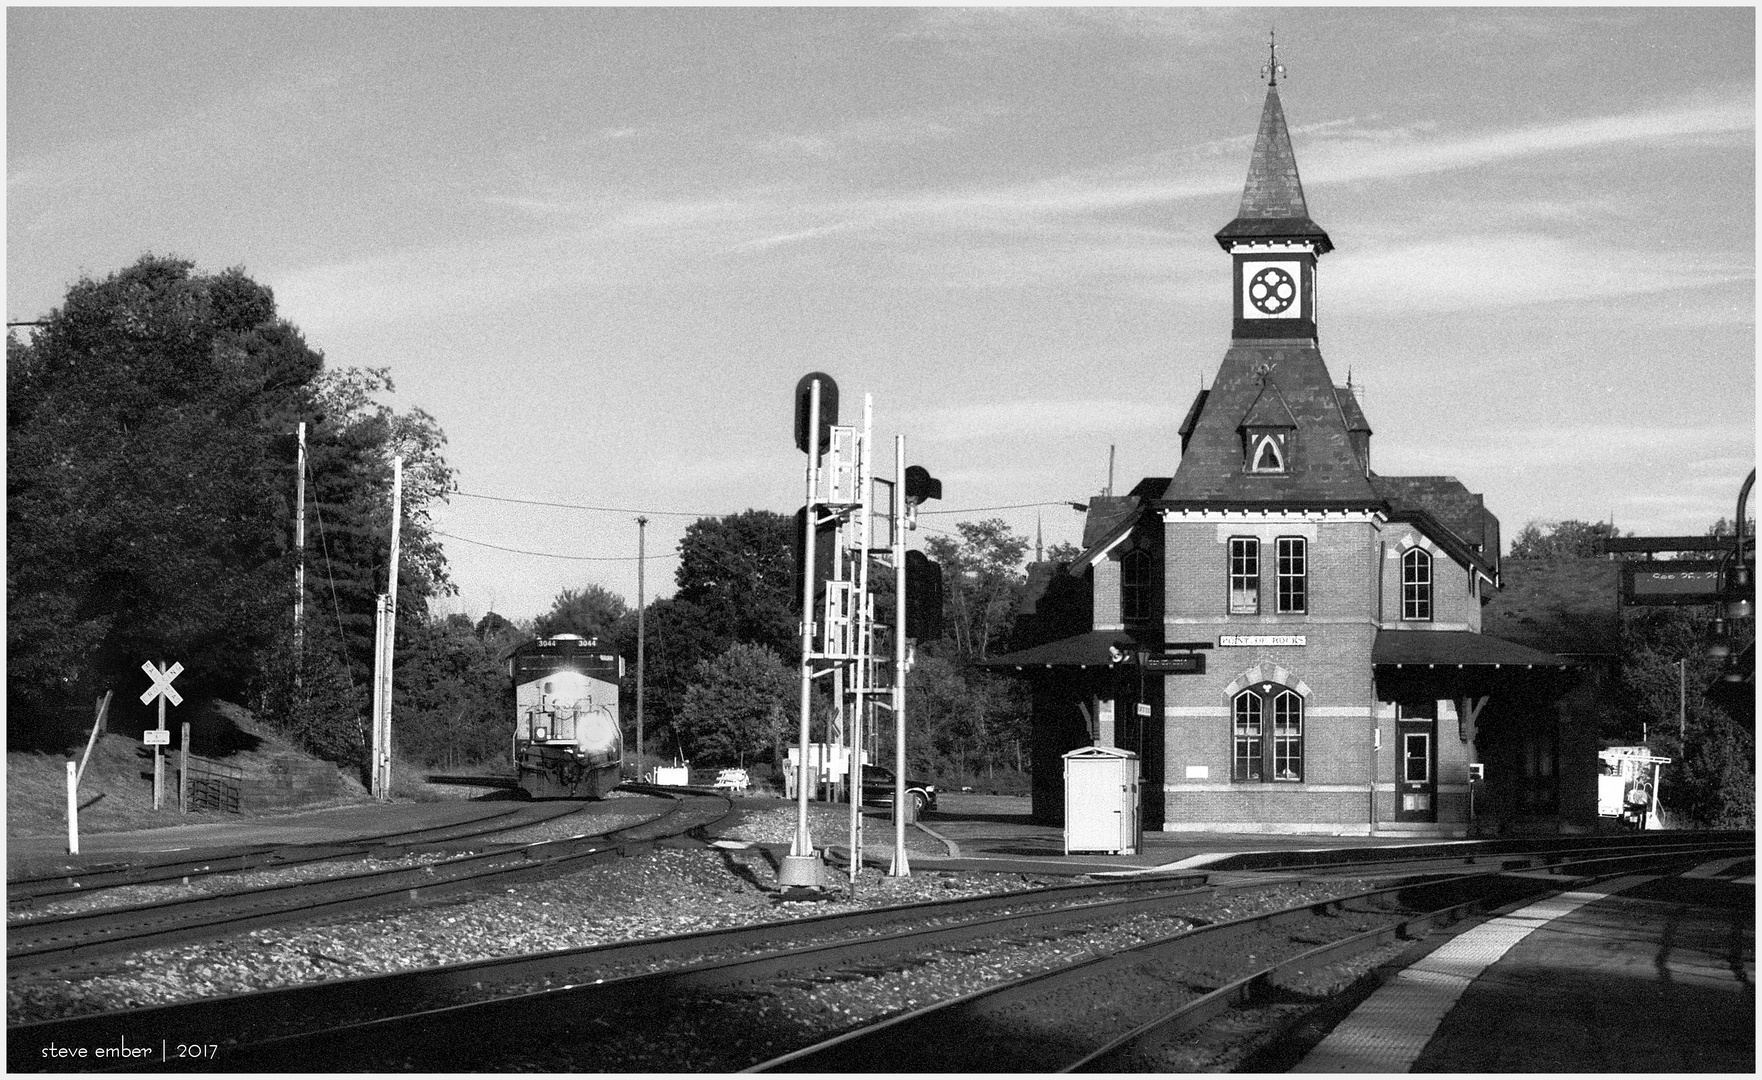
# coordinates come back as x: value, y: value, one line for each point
x: 1102, y: 807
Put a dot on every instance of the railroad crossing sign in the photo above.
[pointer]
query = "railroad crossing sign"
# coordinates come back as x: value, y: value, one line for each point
x: 162, y: 683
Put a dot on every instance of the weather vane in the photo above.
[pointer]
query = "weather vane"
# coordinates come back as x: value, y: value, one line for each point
x: 1272, y: 69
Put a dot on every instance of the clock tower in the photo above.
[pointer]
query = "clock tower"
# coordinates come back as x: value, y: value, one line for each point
x: 1272, y: 242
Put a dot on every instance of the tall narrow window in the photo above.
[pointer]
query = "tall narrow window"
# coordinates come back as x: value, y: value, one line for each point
x: 1287, y: 737
x: 1256, y: 756
x: 1244, y: 575
x: 1135, y: 584
x: 1293, y: 571
x: 1248, y: 736
x: 1416, y: 585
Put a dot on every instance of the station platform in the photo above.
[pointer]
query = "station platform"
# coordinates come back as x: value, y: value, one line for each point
x: 1641, y: 974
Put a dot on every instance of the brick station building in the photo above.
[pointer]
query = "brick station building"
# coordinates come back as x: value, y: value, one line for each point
x: 1289, y: 640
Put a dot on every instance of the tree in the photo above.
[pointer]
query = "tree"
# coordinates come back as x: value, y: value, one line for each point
x: 739, y: 706
x: 982, y: 582
x: 590, y: 611
x: 1712, y: 779
x: 452, y: 704
x: 149, y: 454
x: 1568, y: 539
x: 739, y: 570
x: 679, y: 639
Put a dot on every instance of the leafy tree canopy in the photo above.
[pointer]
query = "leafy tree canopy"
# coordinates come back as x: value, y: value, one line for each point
x: 149, y: 481
x: 981, y: 583
x: 1568, y: 539
x: 739, y: 570
x: 591, y: 611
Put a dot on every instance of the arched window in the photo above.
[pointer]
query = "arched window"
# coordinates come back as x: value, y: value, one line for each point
x: 1267, y: 457
x: 1135, y: 589
x: 1257, y: 757
x: 1248, y: 737
x: 1416, y: 585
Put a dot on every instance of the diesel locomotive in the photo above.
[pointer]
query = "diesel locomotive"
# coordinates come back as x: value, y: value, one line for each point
x: 567, y: 742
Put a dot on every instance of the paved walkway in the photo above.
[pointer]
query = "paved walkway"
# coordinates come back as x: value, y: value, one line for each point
x: 1639, y: 974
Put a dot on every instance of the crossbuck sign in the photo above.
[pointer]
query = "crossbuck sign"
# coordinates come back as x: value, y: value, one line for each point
x: 162, y: 683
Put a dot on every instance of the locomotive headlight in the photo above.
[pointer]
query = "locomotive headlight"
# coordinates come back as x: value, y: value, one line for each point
x: 540, y: 734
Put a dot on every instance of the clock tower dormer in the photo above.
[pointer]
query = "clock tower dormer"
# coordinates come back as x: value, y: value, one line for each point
x: 1272, y: 242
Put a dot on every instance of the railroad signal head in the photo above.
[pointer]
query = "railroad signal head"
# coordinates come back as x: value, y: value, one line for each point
x: 828, y: 410
x: 920, y: 485
x: 923, y: 597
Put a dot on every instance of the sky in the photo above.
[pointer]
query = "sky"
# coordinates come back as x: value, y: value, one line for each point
x: 601, y: 245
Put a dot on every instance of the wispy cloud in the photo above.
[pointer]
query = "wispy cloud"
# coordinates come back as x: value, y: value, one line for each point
x: 1463, y: 272
x: 1044, y: 419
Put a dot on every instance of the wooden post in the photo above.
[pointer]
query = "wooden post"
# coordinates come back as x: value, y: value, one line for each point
x: 98, y: 725
x: 73, y: 809
x: 183, y: 771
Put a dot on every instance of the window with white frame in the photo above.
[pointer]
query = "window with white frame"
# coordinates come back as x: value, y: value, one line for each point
x: 1248, y: 736
x: 1293, y: 574
x: 1255, y: 755
x: 1267, y: 456
x: 1244, y: 575
x: 1416, y: 585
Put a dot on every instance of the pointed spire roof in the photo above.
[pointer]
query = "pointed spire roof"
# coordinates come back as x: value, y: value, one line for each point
x: 1324, y: 470
x: 1272, y: 199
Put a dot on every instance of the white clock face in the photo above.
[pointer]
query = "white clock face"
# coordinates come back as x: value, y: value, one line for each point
x: 1271, y: 290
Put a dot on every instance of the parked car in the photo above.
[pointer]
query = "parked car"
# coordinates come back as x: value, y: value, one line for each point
x: 878, y: 787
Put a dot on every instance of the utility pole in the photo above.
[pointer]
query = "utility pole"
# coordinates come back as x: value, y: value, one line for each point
x: 300, y: 560
x: 387, y: 632
x: 642, y: 524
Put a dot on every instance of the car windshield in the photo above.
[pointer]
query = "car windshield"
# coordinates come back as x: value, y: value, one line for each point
x: 871, y: 773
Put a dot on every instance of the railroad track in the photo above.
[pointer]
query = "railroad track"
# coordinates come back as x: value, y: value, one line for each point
x: 257, y: 1026
x: 25, y: 893
x: 719, y: 1006
x: 1114, y: 1013
x: 54, y: 942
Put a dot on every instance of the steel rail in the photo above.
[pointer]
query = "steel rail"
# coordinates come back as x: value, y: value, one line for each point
x: 436, y: 1033
x: 53, y: 942
x: 228, y: 1019
x: 921, y: 1040
x: 24, y: 892
x: 1124, y: 1053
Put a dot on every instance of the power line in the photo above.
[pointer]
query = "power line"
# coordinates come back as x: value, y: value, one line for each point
x: 552, y: 555
x: 582, y: 506
x: 696, y: 514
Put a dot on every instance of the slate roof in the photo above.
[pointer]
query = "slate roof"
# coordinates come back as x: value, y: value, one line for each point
x: 1443, y: 497
x: 1322, y: 465
x: 1567, y: 606
x: 1269, y: 409
x: 1107, y: 513
x: 1272, y: 199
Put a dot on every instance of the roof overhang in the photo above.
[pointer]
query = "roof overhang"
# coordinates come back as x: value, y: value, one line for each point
x: 1095, y: 649
x: 1459, y: 662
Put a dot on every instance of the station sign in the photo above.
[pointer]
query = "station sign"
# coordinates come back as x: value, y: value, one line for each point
x: 1670, y: 582
x: 1176, y: 663
x: 1228, y: 640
